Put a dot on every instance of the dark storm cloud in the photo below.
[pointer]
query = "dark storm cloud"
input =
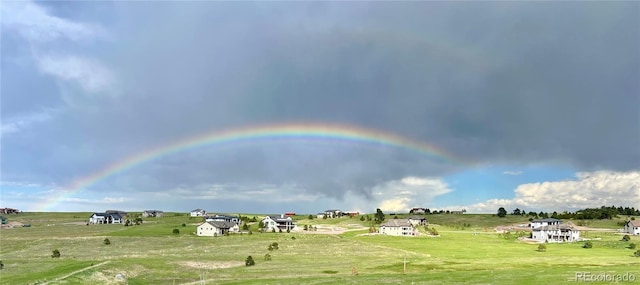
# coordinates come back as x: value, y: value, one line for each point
x: 492, y: 82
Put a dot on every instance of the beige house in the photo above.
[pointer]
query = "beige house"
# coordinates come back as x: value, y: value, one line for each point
x: 632, y: 227
x: 398, y: 227
x: 216, y: 228
x: 417, y: 220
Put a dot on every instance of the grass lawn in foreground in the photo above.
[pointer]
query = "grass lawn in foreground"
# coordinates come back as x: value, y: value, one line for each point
x: 152, y: 254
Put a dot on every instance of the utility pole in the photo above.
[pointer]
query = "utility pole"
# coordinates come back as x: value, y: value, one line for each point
x: 404, y: 267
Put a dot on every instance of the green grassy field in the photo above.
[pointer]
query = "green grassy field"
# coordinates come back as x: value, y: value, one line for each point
x: 152, y: 254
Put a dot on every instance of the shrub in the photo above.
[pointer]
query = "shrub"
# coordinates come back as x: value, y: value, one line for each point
x: 184, y: 225
x: 306, y: 227
x: 587, y: 245
x: 542, y: 247
x: 293, y: 238
x: 270, y: 248
x: 245, y: 227
x: 176, y: 231
x: 55, y: 253
x: 273, y: 230
x: 249, y: 261
x: 626, y: 238
x: 1, y: 264
x: 250, y: 232
x: 632, y: 246
x: 107, y: 241
x: 637, y: 253
x: 275, y: 245
x: 267, y: 257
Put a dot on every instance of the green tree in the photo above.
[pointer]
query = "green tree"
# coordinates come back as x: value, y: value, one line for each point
x: 361, y: 218
x: 55, y: 253
x: 184, y: 225
x: 245, y: 227
x: 106, y: 241
x: 379, y: 217
x: 516, y: 212
x: 587, y: 244
x: 249, y: 261
x: 176, y: 231
x: 310, y: 217
x: 626, y: 238
x: 270, y: 248
x: 502, y: 212
x: 306, y: 227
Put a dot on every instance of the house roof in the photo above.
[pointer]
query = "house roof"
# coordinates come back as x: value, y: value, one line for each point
x: 221, y: 224
x: 548, y: 220
x: 198, y: 210
x: 151, y: 211
x: 635, y: 223
x: 553, y: 228
x: 333, y: 210
x: 416, y: 217
x: 397, y: 223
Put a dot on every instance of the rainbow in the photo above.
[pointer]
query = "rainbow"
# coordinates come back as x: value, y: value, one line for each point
x: 306, y: 131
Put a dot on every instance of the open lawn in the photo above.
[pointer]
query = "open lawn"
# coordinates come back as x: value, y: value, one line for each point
x: 152, y: 254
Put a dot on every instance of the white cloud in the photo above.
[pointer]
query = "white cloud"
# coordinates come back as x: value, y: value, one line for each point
x: 401, y: 195
x: 21, y: 122
x: 88, y: 73
x: 45, y: 32
x: 265, y: 192
x: 589, y: 189
x: 34, y: 23
x: 512, y: 172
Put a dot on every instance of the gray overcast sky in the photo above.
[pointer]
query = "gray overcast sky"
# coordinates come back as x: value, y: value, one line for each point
x: 547, y: 86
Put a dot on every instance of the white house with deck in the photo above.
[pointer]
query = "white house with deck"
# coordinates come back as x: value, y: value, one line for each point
x: 398, y: 227
x: 277, y: 223
x: 632, y: 227
x: 104, y: 218
x: 198, y: 213
x: 555, y: 233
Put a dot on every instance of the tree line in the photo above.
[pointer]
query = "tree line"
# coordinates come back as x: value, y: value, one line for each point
x: 601, y: 213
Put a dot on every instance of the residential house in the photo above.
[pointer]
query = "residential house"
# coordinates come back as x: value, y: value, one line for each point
x: 320, y: 215
x: 398, y: 227
x: 277, y: 223
x: 289, y: 214
x: 555, y: 233
x: 417, y: 210
x: 198, y: 213
x: 104, y: 218
x: 153, y: 213
x: 416, y: 220
x: 458, y: 212
x: 333, y: 213
x: 9, y: 211
x: 545, y: 222
x: 223, y: 218
x: 216, y: 228
x: 632, y: 227
x: 351, y: 213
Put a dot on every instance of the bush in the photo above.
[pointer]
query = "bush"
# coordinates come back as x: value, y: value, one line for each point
x: 632, y: 246
x: 176, y: 231
x: 288, y: 230
x: 306, y: 227
x: 267, y: 257
x: 55, y: 253
x: 184, y: 225
x: 250, y: 232
x: 270, y: 248
x: 245, y: 227
x: 637, y: 253
x: 275, y: 245
x: 106, y: 241
x: 542, y: 247
x: 587, y: 245
x: 249, y: 261
x: 1, y: 264
x: 273, y: 230
x: 626, y: 238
